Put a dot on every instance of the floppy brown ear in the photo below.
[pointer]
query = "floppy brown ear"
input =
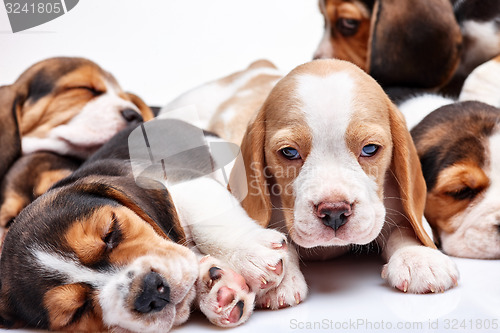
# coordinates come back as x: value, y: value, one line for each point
x: 413, y: 43
x: 146, y: 112
x: 257, y: 202
x: 10, y: 139
x: 406, y: 168
x: 153, y: 206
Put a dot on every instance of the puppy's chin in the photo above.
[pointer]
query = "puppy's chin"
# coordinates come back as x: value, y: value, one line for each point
x: 362, y: 227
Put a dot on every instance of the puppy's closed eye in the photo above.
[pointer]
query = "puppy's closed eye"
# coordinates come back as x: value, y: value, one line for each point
x: 114, y: 234
x: 464, y: 193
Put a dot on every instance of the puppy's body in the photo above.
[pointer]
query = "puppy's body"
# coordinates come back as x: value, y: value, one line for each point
x: 100, y: 248
x: 458, y: 146
x: 305, y: 174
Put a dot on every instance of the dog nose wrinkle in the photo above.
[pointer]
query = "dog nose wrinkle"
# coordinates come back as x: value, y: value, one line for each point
x: 155, y: 294
x: 333, y: 214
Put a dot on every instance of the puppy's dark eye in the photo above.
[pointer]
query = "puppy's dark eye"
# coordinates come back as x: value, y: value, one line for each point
x: 114, y: 235
x: 369, y: 150
x: 347, y: 27
x: 464, y: 193
x: 290, y: 153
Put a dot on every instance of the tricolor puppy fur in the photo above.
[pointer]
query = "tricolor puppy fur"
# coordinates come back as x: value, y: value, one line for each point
x: 98, y: 251
x: 66, y: 108
x: 431, y: 43
x: 459, y: 145
x: 329, y: 159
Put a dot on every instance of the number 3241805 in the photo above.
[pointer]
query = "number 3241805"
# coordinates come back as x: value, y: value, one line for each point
x: 40, y: 8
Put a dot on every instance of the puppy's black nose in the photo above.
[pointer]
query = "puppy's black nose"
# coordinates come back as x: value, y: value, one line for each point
x: 131, y: 116
x: 155, y: 294
x: 334, y: 214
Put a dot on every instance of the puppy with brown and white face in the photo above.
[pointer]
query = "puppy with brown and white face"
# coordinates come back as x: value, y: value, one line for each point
x: 101, y: 249
x: 328, y: 159
x: 430, y: 42
x: 69, y: 106
x: 63, y: 109
x: 459, y: 147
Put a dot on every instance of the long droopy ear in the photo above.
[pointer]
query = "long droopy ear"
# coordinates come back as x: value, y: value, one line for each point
x: 10, y: 139
x: 413, y: 43
x: 257, y: 202
x: 146, y: 112
x: 406, y: 168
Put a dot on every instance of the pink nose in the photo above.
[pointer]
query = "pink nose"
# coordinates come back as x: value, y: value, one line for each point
x: 334, y: 214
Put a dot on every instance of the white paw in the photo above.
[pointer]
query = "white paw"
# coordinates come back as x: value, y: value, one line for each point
x: 222, y: 294
x: 419, y: 269
x: 260, y: 258
x: 291, y: 291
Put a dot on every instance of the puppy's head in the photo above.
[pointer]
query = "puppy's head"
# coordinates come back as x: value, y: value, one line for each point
x: 459, y: 147
x: 329, y: 143
x: 400, y: 43
x: 85, y: 257
x: 71, y: 106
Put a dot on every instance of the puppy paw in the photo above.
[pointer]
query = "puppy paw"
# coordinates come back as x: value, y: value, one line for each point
x: 419, y: 269
x: 291, y: 291
x: 222, y: 294
x: 262, y: 259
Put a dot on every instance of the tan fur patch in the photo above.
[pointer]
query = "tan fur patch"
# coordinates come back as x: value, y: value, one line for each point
x: 441, y: 205
x: 47, y: 179
x: 11, y: 207
x: 138, y: 238
x: 63, y: 302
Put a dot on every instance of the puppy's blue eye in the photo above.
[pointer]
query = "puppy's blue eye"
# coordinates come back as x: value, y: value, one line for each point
x: 290, y: 153
x: 369, y: 150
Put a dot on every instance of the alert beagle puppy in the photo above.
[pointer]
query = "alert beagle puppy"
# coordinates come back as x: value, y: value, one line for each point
x: 65, y: 106
x: 101, y: 250
x: 433, y: 43
x: 328, y: 158
x: 458, y: 145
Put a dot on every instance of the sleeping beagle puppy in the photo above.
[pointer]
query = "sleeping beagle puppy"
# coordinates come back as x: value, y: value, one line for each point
x: 458, y: 145
x: 328, y: 158
x: 432, y: 43
x: 102, y: 248
x: 64, y: 106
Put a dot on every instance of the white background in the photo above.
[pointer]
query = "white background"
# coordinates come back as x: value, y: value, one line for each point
x: 159, y: 49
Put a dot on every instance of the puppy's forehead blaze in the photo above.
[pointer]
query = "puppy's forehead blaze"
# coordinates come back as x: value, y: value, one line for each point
x: 339, y: 98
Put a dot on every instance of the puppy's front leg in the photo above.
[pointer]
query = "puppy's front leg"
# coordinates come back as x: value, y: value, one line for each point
x: 414, y: 267
x: 217, y: 225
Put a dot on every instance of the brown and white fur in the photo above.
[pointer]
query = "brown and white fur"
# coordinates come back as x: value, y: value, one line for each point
x: 458, y: 145
x: 57, y: 113
x: 456, y: 141
x: 327, y: 111
x: 459, y: 35
x: 102, y: 248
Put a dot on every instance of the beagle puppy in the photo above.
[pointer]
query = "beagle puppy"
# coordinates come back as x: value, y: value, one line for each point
x: 433, y: 43
x: 458, y: 146
x: 103, y: 248
x: 328, y: 158
x: 63, y: 106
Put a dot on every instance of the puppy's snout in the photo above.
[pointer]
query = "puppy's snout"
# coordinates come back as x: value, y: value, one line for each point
x: 131, y: 116
x: 155, y: 294
x: 334, y: 214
